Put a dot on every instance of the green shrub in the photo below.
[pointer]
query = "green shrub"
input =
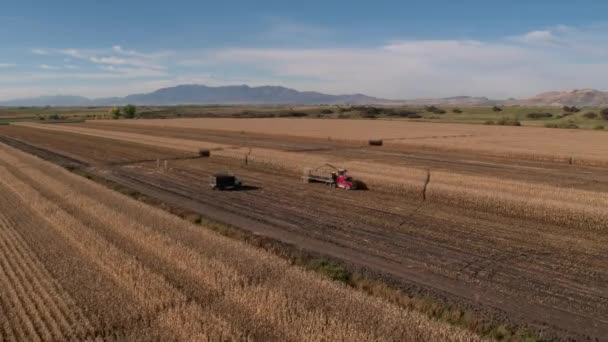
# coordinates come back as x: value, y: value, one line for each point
x: 496, y: 109
x: 489, y: 122
x: 115, y: 112
x: 572, y: 109
x: 129, y: 111
x: 403, y: 113
x: 569, y: 124
x: 599, y: 127
x: 505, y: 121
x: 369, y: 115
x: 590, y: 115
x: 539, y: 115
x: 327, y: 111
x: 604, y: 113
x: 330, y: 269
x: 368, y: 110
x: 457, y: 110
x: 436, y: 110
x: 292, y: 114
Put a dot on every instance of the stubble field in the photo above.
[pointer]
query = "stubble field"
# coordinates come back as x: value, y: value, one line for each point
x: 80, y: 262
x: 584, y: 147
x: 511, y: 237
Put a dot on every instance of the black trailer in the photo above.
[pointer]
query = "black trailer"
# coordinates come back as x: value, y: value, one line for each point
x: 224, y: 181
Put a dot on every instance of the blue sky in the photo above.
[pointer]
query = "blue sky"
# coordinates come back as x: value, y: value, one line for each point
x: 394, y: 49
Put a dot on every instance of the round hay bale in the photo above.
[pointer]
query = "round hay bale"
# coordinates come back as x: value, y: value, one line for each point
x: 377, y: 142
x: 204, y: 153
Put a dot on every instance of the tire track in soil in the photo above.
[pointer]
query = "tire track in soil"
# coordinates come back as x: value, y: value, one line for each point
x: 506, y: 271
x: 268, y: 206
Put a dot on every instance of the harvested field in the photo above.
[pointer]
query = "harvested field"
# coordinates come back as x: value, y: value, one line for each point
x: 80, y: 262
x: 584, y: 147
x: 531, y: 268
x: 572, y: 206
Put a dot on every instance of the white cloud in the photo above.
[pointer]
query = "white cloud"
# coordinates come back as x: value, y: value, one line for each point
x: 559, y: 58
x: 41, y: 52
x: 72, y: 52
x: 130, y: 72
x: 108, y: 60
x: 554, y: 58
x: 7, y: 65
x: 398, y: 70
x: 112, y: 56
x: 136, y: 62
x: 48, y: 67
x: 542, y: 36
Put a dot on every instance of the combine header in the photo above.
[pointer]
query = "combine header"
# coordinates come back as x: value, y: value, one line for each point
x: 330, y: 175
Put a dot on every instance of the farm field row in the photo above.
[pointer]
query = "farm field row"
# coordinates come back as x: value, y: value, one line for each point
x: 530, y: 271
x: 578, y: 204
x: 583, y: 146
x: 79, y: 261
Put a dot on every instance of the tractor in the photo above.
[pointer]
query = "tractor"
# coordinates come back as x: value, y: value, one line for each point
x: 224, y: 181
x: 330, y: 175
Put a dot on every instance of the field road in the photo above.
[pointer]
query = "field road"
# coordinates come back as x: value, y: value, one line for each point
x: 528, y: 272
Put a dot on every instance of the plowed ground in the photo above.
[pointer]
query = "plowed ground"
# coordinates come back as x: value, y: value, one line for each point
x: 551, y: 278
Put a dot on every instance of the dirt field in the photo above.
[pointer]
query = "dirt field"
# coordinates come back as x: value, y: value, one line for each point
x: 528, y: 270
x: 79, y: 262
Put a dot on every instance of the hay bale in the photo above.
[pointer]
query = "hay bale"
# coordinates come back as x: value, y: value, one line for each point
x: 376, y: 142
x: 204, y: 153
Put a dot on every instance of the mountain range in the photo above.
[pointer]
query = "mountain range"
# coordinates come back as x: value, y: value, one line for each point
x: 577, y: 97
x: 193, y: 94
x: 276, y: 95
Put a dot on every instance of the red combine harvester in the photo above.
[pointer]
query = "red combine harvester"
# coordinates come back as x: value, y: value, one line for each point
x: 330, y: 175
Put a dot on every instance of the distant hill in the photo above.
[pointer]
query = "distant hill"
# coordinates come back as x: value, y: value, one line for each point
x: 202, y: 95
x: 453, y: 101
x: 577, y: 97
x: 58, y: 100
x: 275, y: 95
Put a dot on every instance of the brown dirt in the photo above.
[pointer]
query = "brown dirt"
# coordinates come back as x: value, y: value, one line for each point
x: 547, y: 277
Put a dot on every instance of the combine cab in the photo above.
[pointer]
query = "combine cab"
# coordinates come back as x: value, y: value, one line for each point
x: 330, y: 175
x: 224, y: 181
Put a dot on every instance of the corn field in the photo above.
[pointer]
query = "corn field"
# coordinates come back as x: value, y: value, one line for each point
x: 80, y: 262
